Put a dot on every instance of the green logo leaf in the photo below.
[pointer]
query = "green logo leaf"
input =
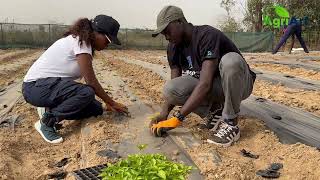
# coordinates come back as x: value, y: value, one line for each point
x: 281, y: 11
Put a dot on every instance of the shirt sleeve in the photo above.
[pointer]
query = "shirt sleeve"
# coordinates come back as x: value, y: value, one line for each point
x: 173, y: 56
x: 82, y: 49
x: 210, y: 45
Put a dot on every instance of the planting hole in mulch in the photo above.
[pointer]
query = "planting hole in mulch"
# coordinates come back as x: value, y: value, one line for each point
x: 271, y: 171
x: 276, y: 117
x: 260, y: 99
x: 288, y: 76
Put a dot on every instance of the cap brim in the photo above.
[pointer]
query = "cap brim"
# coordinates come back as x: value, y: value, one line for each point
x: 159, y: 30
x: 115, y: 40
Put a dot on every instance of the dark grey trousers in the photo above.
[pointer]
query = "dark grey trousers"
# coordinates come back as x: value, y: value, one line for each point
x: 234, y: 84
x: 65, y: 98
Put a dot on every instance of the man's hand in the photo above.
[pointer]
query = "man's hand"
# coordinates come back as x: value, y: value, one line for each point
x: 156, y: 118
x: 163, y: 126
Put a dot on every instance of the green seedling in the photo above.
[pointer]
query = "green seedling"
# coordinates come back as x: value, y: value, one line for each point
x: 142, y: 146
x: 146, y: 167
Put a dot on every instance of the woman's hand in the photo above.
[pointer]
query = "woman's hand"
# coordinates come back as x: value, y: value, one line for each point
x: 117, y: 107
x: 85, y: 63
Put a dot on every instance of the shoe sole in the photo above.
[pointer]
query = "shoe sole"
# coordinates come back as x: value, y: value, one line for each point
x: 37, y: 125
x: 236, y: 138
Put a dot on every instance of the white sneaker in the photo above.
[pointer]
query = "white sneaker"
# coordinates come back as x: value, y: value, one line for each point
x: 49, y: 134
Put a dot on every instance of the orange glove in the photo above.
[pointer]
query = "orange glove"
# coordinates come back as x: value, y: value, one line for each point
x: 163, y: 126
x: 155, y: 118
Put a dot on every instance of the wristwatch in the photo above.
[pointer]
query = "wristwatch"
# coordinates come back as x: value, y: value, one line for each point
x: 178, y: 115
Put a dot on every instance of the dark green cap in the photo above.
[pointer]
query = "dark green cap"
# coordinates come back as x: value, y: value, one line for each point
x: 166, y: 16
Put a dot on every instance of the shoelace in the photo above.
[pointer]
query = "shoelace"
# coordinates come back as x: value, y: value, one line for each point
x: 223, y: 130
x: 218, y: 109
x: 52, y: 133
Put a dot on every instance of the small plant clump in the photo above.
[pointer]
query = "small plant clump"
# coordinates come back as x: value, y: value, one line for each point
x: 145, y: 167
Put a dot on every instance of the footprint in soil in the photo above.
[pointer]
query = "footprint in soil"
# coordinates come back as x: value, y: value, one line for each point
x: 109, y: 153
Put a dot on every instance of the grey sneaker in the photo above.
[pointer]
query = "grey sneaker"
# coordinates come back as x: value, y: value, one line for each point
x: 49, y: 134
x: 211, y: 121
x: 225, y: 135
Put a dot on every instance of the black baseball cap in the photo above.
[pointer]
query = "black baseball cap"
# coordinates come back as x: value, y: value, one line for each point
x: 108, y: 26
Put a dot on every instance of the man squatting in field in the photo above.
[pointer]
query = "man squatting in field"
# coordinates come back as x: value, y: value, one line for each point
x: 216, y: 77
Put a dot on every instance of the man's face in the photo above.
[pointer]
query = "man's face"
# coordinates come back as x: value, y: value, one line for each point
x: 174, y: 32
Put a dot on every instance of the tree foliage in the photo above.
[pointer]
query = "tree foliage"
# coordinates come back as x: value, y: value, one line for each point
x: 254, y: 10
x: 230, y: 25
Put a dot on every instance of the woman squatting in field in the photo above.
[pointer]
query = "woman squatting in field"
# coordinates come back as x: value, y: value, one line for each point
x: 50, y: 82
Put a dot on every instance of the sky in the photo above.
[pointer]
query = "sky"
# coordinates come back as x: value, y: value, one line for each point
x: 129, y: 13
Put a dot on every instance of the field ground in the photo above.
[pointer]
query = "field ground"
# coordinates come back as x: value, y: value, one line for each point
x: 24, y: 154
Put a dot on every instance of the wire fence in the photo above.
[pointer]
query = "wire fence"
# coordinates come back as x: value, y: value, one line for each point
x: 43, y: 35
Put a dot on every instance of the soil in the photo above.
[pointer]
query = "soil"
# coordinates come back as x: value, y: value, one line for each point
x: 303, y: 99
x: 284, y: 69
x: 143, y: 82
x: 155, y: 57
x: 23, y: 153
x: 15, y: 66
x: 160, y: 56
x: 255, y: 138
x: 297, y: 159
x: 7, y: 58
x: 307, y: 100
x: 281, y: 56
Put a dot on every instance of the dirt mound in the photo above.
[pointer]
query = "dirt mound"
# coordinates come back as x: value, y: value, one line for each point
x: 307, y: 100
x: 298, y: 72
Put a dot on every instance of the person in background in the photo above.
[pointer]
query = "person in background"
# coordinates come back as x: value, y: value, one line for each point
x: 50, y: 82
x: 294, y: 29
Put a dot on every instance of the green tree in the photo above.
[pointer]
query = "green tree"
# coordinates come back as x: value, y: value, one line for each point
x: 254, y: 10
x: 302, y: 8
x: 254, y: 14
x: 230, y: 25
x: 227, y: 5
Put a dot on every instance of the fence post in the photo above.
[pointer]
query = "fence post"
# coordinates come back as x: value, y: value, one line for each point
x: 272, y: 37
x: 126, y: 38
x: 49, y: 35
x: 2, y: 41
x: 162, y: 46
